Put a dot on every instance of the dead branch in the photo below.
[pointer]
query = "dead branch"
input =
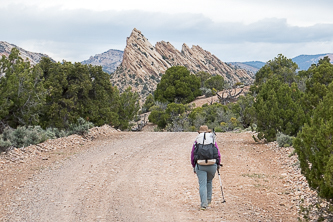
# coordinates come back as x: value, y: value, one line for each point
x: 228, y: 95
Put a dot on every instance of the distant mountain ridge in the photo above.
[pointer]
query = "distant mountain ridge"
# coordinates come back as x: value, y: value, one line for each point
x: 303, y: 61
x: 109, y: 60
x: 252, y: 66
x: 34, y: 57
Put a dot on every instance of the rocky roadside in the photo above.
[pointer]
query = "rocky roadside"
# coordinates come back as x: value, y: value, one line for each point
x: 298, y: 188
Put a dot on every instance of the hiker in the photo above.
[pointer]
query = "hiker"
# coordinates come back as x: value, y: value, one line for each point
x: 206, y: 163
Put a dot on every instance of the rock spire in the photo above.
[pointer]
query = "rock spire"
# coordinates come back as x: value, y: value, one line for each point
x: 143, y: 64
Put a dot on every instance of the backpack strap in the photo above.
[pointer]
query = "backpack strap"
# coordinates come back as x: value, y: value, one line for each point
x: 203, y: 142
x: 204, y: 138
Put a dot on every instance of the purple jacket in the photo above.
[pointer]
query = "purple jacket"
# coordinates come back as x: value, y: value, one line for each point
x: 192, y: 153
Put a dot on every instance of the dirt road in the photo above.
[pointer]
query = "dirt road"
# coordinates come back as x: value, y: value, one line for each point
x: 148, y: 177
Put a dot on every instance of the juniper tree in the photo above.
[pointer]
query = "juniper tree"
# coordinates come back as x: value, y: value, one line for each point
x: 76, y: 90
x: 177, y: 85
x: 22, y: 93
x: 278, y: 109
x: 244, y: 109
x: 280, y: 66
x: 314, y: 147
x: 215, y: 82
x: 158, y: 115
x: 318, y: 76
x: 203, y: 76
x: 68, y: 88
x: 128, y: 107
x: 104, y: 99
x: 148, y: 103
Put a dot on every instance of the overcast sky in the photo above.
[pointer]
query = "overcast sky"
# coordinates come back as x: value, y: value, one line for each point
x: 233, y: 30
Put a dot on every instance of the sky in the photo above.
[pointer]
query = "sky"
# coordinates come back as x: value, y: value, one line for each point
x: 233, y: 30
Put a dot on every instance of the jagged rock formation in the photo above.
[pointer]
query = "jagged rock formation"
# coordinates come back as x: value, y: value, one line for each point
x: 197, y: 59
x: 143, y: 64
x: 33, y: 57
x: 109, y: 60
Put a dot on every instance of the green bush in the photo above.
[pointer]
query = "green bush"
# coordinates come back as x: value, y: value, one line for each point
x: 244, y: 109
x: 283, y: 139
x: 215, y: 82
x: 207, y: 92
x: 281, y: 67
x: 22, y: 93
x: 158, y: 114
x: 317, y: 78
x: 202, y: 76
x: 53, y: 133
x: 148, y: 103
x: 81, y: 127
x: 177, y: 85
x: 314, y: 147
x: 192, y: 129
x: 218, y: 129
x: 4, y: 145
x: 278, y: 108
x: 215, y: 116
x: 35, y: 135
x: 23, y: 136
x: 178, y: 123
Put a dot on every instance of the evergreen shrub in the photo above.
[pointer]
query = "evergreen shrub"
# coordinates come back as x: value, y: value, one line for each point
x: 177, y: 85
x: 314, y: 147
x: 53, y: 133
x: 278, y: 109
x: 81, y: 127
x: 218, y: 129
x: 22, y: 137
x: 207, y: 92
x: 4, y: 145
x: 283, y: 140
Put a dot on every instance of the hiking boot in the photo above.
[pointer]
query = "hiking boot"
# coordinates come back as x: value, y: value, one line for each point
x: 202, y: 208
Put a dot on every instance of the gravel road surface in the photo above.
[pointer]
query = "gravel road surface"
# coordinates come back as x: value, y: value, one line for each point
x: 147, y: 176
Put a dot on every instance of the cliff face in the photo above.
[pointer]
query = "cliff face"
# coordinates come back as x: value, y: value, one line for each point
x: 143, y: 64
x: 33, y: 57
x: 109, y: 60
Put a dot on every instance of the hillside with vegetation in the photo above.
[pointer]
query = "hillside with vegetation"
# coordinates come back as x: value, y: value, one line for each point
x: 57, y: 98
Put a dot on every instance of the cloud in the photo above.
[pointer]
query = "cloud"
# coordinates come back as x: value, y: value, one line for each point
x: 76, y: 34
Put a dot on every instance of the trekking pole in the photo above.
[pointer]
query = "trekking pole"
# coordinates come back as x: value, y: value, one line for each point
x: 218, y: 172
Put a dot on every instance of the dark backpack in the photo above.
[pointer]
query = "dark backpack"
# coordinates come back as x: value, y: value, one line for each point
x: 206, y: 151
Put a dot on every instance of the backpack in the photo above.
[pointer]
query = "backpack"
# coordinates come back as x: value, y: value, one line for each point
x: 206, y: 153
